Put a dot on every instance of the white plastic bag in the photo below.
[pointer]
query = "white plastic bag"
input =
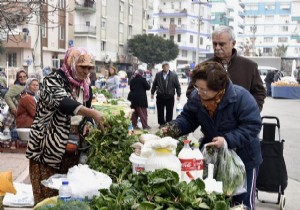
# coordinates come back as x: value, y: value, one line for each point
x: 82, y: 180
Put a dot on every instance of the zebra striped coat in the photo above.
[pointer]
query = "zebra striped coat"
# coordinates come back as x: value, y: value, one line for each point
x: 51, y: 125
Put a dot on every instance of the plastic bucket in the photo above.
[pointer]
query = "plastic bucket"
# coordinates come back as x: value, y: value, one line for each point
x: 138, y: 163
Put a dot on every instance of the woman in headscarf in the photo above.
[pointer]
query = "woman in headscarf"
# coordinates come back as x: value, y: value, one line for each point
x: 12, y: 99
x: 138, y: 98
x: 60, y: 119
x: 27, y: 104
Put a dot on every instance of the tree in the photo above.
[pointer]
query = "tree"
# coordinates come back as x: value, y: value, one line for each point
x: 280, y: 51
x: 153, y: 49
x: 16, y: 13
x: 1, y: 47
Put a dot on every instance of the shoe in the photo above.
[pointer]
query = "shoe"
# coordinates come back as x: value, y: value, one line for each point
x: 147, y: 128
x: 160, y: 126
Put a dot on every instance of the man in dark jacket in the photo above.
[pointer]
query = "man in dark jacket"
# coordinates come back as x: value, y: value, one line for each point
x: 269, y: 79
x: 242, y: 71
x: 165, y: 83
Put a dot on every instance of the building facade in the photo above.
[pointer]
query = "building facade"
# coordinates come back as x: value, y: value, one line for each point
x: 269, y: 26
x: 188, y: 24
x: 36, y: 41
x: 103, y: 27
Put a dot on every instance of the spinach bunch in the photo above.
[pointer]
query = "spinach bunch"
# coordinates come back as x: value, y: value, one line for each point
x: 156, y: 190
x: 72, y: 205
x: 109, y: 151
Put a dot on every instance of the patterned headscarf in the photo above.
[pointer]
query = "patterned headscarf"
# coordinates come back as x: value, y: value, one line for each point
x: 28, y: 83
x: 78, y: 56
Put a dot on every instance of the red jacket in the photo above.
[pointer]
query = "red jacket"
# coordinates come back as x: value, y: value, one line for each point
x: 26, y: 111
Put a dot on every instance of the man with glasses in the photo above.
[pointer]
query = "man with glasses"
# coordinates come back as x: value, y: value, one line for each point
x: 242, y: 71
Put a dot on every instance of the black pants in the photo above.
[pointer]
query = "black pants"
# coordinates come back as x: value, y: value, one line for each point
x: 161, y: 104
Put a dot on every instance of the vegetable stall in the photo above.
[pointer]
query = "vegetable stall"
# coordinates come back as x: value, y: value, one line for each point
x: 109, y: 153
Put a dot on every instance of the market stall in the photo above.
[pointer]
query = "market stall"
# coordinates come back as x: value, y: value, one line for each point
x: 285, y: 90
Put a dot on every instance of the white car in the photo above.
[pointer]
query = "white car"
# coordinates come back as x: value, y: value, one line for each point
x: 263, y: 70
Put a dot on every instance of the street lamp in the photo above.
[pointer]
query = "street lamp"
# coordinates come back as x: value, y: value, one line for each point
x: 200, y: 18
x: 253, y: 30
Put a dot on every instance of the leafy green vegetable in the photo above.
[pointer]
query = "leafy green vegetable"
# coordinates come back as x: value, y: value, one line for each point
x: 109, y: 152
x: 102, y: 91
x: 156, y: 190
x: 72, y: 205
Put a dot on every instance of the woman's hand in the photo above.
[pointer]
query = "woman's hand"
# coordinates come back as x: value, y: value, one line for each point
x: 99, y: 120
x: 217, y: 142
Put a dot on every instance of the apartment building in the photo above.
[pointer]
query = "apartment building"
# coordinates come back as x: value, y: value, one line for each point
x: 36, y: 39
x: 269, y: 24
x: 179, y: 21
x: 104, y: 26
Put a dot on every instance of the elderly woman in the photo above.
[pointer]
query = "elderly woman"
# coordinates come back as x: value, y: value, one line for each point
x: 225, y: 112
x: 12, y: 99
x: 27, y: 104
x: 112, y: 82
x: 59, y: 121
x: 138, y: 98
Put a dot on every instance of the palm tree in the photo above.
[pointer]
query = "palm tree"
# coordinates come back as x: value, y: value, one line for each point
x: 280, y: 51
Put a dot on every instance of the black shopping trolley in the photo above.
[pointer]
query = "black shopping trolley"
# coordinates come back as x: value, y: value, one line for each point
x: 272, y: 175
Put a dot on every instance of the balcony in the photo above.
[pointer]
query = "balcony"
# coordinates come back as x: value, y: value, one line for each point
x: 84, y: 29
x: 18, y: 41
x: 295, y: 36
x: 87, y: 7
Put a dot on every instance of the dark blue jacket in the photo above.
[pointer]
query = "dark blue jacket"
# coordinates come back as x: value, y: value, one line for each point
x: 237, y: 119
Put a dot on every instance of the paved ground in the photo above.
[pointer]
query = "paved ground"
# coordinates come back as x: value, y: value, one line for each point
x: 289, y: 114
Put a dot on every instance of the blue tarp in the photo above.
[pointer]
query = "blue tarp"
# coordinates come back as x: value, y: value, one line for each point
x: 286, y: 92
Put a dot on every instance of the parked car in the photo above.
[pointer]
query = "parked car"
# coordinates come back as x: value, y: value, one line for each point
x: 263, y: 70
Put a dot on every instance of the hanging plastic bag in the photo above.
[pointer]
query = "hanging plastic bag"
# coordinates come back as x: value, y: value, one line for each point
x: 229, y: 168
x: 231, y: 171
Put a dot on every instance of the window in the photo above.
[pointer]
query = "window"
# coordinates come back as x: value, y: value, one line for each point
x: 251, y: 7
x: 172, y: 37
x: 165, y: 19
x: 284, y: 28
x: 184, y: 53
x: 172, y: 20
x: 103, y: 23
x: 87, y: 23
x: 103, y: 46
x: 191, y: 39
x: 121, y: 27
x: 164, y: 35
x: 201, y: 40
x: 268, y: 39
x: 61, y: 32
x: 267, y: 50
x: 129, y: 31
x: 179, y: 38
x: 130, y: 9
x: 12, y: 59
x: 270, y: 7
x: 55, y: 62
x: 285, y: 6
x: 61, y: 4
x: 179, y: 21
x: 44, y: 30
x: 269, y: 18
x: 282, y: 39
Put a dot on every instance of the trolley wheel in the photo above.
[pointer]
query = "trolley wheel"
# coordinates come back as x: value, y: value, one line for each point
x: 282, y: 202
